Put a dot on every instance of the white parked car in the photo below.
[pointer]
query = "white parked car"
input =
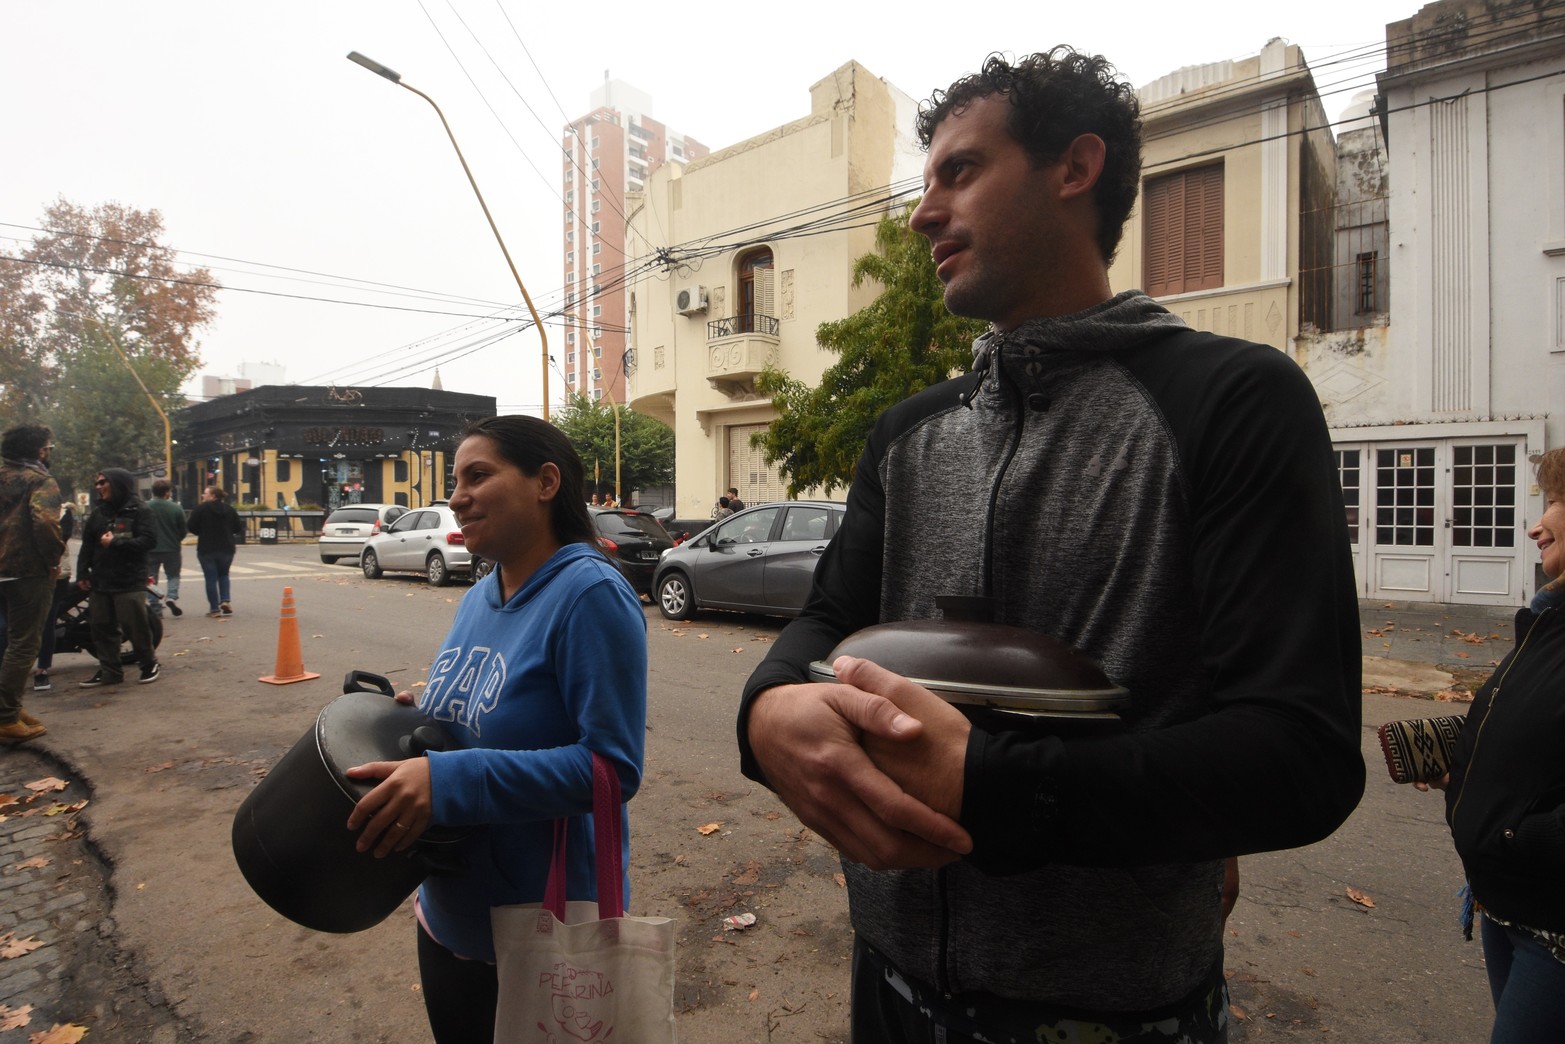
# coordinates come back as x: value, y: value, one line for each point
x: 345, y: 529
x: 425, y: 540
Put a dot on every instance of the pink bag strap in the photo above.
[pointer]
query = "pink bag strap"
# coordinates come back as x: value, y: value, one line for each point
x: 608, y: 837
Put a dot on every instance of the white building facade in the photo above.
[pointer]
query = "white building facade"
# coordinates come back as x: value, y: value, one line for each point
x: 761, y: 240
x: 1434, y: 418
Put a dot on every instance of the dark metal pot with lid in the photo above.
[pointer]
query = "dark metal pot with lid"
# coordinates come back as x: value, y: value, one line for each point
x: 1008, y: 676
x: 290, y: 836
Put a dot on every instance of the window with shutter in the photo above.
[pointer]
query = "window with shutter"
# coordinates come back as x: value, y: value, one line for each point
x: 1183, y: 220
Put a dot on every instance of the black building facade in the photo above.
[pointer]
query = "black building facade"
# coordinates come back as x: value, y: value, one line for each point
x: 298, y: 446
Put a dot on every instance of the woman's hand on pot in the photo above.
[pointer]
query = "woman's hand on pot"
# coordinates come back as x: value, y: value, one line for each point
x: 393, y: 815
x: 406, y: 697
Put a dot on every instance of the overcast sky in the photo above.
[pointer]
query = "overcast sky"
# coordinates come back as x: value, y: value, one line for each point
x: 303, y: 181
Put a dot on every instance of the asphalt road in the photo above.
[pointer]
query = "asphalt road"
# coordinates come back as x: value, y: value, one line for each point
x: 167, y: 764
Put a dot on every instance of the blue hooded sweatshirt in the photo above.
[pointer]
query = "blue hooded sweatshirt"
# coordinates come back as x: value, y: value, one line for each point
x: 528, y: 689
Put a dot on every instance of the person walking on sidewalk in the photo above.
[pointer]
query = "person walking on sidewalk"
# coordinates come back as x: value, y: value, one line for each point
x: 30, y: 550
x: 168, y: 523
x: 217, y: 528
x: 112, y: 566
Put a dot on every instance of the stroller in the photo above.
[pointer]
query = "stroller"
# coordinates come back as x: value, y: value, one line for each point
x: 73, y: 628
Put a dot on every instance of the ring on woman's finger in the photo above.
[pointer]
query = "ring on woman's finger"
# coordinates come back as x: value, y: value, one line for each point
x: 399, y: 826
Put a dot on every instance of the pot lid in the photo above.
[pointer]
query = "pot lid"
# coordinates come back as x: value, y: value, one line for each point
x: 987, y: 664
x: 360, y: 727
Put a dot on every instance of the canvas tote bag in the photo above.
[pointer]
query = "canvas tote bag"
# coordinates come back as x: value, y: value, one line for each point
x: 583, y: 972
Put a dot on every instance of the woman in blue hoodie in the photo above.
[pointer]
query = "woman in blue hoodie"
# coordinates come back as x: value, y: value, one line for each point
x: 545, y: 665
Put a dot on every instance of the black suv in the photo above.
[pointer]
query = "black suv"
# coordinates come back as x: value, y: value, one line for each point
x: 634, y: 541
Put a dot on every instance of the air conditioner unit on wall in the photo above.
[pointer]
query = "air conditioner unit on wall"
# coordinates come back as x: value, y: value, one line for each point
x: 690, y: 300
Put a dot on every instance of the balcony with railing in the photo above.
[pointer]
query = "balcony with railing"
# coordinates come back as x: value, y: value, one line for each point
x: 738, y: 348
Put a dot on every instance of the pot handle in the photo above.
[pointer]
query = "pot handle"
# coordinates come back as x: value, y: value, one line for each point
x: 424, y: 739
x: 366, y: 681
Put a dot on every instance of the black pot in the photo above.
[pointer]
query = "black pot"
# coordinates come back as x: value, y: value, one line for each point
x: 290, y: 837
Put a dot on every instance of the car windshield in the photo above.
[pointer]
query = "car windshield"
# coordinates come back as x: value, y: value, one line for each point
x: 614, y: 523
x: 353, y: 515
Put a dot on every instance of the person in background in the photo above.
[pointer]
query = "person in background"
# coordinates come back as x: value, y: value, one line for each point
x: 526, y: 695
x: 609, y: 501
x: 112, y: 568
x: 734, y: 503
x: 723, y: 510
x: 62, y: 594
x: 1505, y: 800
x: 1162, y: 499
x: 30, y: 550
x: 168, y: 523
x: 217, y: 528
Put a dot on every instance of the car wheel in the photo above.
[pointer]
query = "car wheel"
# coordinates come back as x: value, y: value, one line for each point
x: 329, y: 559
x: 674, y: 597
x: 435, y: 569
x: 482, y: 567
x: 370, y: 564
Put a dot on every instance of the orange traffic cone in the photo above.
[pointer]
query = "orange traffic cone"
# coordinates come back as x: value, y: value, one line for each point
x: 290, y: 661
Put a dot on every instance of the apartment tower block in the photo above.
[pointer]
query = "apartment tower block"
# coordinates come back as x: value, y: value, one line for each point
x: 608, y: 154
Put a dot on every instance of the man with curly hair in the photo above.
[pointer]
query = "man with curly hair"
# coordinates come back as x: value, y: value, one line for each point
x: 30, y: 550
x: 1165, y: 501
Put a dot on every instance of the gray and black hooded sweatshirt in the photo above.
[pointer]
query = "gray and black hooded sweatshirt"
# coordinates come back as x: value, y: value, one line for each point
x: 1165, y: 501
x: 122, y: 565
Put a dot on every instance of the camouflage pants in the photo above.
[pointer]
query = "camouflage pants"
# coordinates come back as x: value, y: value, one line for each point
x: 889, y: 1009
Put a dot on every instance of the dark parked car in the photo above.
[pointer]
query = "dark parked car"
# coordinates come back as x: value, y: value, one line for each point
x: 761, y: 560
x: 634, y: 541
x: 681, y: 529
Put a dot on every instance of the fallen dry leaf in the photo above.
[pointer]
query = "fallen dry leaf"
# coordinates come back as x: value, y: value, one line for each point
x: 7, y: 799
x: 47, y: 784
x: 1238, y: 1012
x: 69, y: 1033
x: 703, y: 636
x: 1463, y: 655
x: 35, y: 863
x: 755, y: 993
x: 708, y: 829
x: 841, y: 879
x: 11, y: 946
x: 750, y: 875
x: 1361, y: 898
x: 15, y: 1018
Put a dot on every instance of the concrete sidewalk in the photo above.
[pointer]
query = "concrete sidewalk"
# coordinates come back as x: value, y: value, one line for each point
x: 1427, y: 647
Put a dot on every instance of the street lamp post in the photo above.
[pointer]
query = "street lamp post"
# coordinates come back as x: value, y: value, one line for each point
x: 168, y: 434
x: 396, y: 78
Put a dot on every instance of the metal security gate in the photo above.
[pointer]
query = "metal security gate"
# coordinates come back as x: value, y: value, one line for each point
x: 1437, y: 520
x: 747, y: 468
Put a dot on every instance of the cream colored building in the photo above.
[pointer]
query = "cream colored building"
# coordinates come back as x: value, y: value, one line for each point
x: 762, y: 237
x: 1237, y: 178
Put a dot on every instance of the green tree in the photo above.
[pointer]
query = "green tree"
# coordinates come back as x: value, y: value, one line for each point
x: 646, y: 444
x: 94, y: 275
x: 904, y: 341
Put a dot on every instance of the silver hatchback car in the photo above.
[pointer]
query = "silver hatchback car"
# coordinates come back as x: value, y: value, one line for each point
x: 345, y: 529
x: 761, y: 560
x: 426, y: 540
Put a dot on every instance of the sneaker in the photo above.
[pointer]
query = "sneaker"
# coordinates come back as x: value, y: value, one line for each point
x: 18, y: 731
x: 150, y: 674
x: 228, y: 610
x: 100, y: 678
x: 41, y: 682
x: 173, y: 607
x: 213, y: 615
